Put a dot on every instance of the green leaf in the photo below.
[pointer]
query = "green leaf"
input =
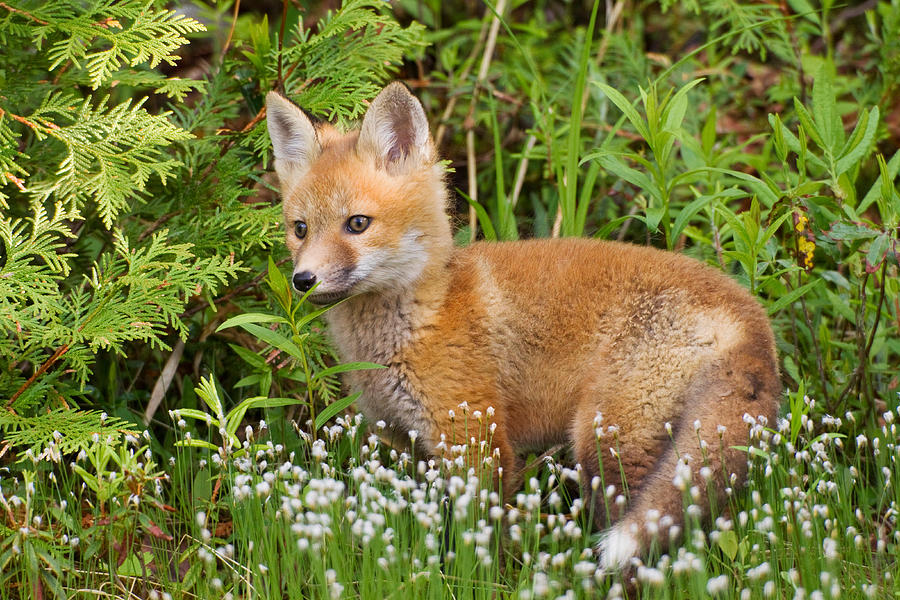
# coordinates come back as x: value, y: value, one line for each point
x: 484, y: 219
x: 209, y: 393
x: 318, y: 313
x: 765, y: 193
x: 343, y: 368
x: 828, y: 121
x: 860, y: 141
x: 626, y: 107
x: 688, y: 212
x: 851, y: 231
x: 678, y: 105
x: 809, y: 126
x: 728, y: 542
x: 752, y: 450
x: 655, y: 213
x: 792, y: 141
x: 708, y: 134
x: 279, y: 284
x: 251, y: 358
x: 193, y: 413
x: 603, y: 232
x: 88, y: 478
x: 275, y: 402
x: 792, y: 296
x: 615, y: 165
x: 195, y: 443
x: 773, y: 227
x: 248, y: 380
x: 883, y: 185
x: 245, y: 318
x: 274, y: 339
x: 877, y: 252
x: 334, y: 408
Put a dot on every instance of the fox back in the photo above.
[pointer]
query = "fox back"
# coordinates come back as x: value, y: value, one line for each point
x: 598, y: 345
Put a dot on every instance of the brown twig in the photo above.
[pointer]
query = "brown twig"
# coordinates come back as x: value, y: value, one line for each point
x: 859, y: 372
x: 155, y: 225
x: 237, y: 7
x: 280, y: 82
x: 235, y: 292
x: 16, y: 117
x: 469, y: 122
x: 22, y: 12
x: 40, y: 371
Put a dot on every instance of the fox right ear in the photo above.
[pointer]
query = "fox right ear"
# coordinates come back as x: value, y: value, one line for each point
x: 293, y: 137
x: 394, y: 132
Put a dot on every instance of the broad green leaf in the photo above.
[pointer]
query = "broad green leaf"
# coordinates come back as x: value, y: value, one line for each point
x: 793, y: 141
x: 808, y: 125
x: 484, y: 219
x: 696, y: 205
x: 250, y: 318
x: 603, y: 232
x: 248, y: 380
x: 88, y: 478
x: 615, y: 165
x: 193, y: 413
x: 195, y: 443
x: 251, y: 358
x: 880, y: 187
x: 753, y: 450
x: 343, y: 368
x: 792, y: 296
x: 677, y: 106
x: 851, y: 231
x: 273, y: 338
x: 877, y: 252
x: 209, y: 393
x: 860, y: 141
x: 827, y: 120
x: 626, y: 107
x: 279, y: 284
x: 768, y: 196
x: 334, y: 408
x: 728, y: 542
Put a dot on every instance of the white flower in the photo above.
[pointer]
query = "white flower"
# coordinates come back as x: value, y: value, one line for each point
x: 717, y: 585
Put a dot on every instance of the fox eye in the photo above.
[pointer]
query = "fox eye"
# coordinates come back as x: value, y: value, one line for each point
x: 300, y: 229
x: 358, y: 223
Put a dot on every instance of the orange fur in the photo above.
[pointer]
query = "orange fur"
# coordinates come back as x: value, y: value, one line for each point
x: 547, y: 332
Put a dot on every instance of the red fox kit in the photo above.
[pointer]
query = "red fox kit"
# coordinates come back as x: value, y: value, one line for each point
x: 550, y: 333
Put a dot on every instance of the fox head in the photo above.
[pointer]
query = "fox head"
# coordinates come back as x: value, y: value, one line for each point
x: 364, y: 211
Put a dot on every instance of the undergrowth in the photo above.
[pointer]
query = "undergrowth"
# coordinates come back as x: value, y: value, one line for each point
x: 140, y: 246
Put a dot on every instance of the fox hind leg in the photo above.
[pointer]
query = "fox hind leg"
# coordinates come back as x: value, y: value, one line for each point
x: 700, y: 453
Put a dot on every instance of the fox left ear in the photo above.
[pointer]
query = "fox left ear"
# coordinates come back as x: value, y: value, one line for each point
x: 293, y: 136
x: 395, y: 131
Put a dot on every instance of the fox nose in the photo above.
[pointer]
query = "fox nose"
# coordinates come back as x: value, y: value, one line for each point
x: 304, y: 280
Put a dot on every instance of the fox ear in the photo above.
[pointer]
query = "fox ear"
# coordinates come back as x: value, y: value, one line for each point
x: 395, y: 131
x: 293, y: 137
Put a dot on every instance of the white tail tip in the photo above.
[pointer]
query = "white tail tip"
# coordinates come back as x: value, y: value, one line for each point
x: 617, y: 547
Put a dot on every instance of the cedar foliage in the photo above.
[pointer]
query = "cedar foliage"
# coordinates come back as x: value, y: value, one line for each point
x: 128, y: 199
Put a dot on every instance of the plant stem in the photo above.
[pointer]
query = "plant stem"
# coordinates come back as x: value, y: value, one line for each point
x: 40, y: 371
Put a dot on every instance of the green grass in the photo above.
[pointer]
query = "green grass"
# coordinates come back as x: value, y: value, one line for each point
x: 345, y: 516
